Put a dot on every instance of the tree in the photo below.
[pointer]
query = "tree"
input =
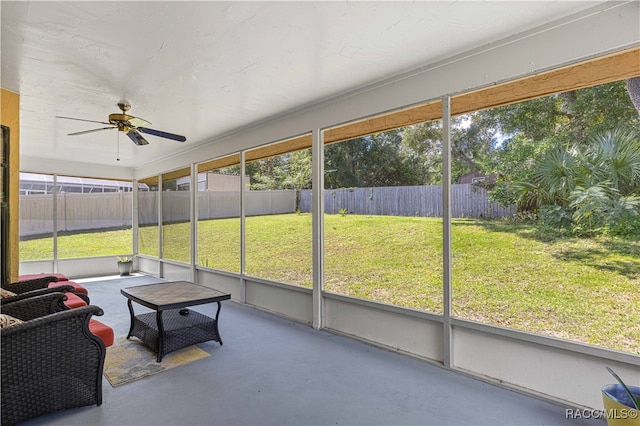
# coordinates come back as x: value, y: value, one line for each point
x: 287, y: 171
x: 368, y: 161
x: 614, y: 157
x: 423, y: 144
x: 473, y: 137
x: 572, y: 116
x: 597, y: 186
x: 531, y: 130
x: 633, y: 87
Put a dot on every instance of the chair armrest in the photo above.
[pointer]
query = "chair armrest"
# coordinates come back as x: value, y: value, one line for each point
x: 33, y: 293
x: 80, y: 295
x: 59, y: 319
x: 36, y: 306
x: 30, y: 285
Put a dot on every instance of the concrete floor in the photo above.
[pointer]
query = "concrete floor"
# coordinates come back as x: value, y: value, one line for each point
x: 272, y: 371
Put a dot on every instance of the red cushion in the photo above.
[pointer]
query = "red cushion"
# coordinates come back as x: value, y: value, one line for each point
x: 34, y: 276
x: 101, y: 330
x: 77, y: 288
x: 74, y: 301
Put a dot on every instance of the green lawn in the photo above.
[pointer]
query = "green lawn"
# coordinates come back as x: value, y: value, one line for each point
x: 509, y: 275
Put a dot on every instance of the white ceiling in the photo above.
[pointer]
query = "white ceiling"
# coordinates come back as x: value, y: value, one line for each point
x: 205, y: 69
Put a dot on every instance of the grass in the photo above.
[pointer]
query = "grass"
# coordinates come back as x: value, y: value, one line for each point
x: 75, y: 244
x: 508, y: 275
x: 580, y: 289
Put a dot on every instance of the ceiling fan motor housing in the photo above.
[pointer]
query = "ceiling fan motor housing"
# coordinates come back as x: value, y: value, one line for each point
x: 119, y: 118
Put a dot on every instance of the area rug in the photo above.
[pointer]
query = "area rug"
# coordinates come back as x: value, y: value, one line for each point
x: 130, y: 360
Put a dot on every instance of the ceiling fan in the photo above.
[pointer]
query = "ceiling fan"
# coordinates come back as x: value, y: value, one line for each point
x: 128, y: 124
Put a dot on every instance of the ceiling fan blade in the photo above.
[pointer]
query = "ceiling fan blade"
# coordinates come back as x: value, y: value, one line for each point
x: 80, y: 119
x: 137, y: 122
x: 137, y: 138
x: 90, y: 131
x: 171, y: 136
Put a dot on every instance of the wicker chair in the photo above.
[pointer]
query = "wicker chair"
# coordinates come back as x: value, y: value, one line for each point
x: 41, y: 283
x: 32, y: 306
x: 50, y: 362
x: 30, y: 285
x: 39, y: 292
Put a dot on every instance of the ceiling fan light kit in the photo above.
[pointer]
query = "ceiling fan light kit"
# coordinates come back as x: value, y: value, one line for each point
x: 128, y: 124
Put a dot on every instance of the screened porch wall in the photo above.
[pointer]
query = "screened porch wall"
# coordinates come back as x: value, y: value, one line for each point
x: 563, y: 372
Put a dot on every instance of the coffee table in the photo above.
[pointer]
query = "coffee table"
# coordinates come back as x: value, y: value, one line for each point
x: 172, y: 326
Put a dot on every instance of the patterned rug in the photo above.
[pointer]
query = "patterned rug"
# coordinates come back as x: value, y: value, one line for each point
x: 130, y: 360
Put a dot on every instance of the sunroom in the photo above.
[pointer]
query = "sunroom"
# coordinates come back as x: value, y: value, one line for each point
x: 258, y: 203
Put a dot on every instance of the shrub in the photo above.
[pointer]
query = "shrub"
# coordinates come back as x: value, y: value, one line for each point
x: 624, y: 217
x: 554, y: 216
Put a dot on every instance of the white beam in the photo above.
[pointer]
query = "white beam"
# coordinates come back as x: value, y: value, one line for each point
x: 193, y: 218
x: 446, y: 231
x: 160, y: 233
x: 317, y: 214
x: 55, y: 223
x: 135, y: 220
x: 243, y: 245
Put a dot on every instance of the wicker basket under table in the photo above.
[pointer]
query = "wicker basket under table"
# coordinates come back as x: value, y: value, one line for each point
x: 179, y: 330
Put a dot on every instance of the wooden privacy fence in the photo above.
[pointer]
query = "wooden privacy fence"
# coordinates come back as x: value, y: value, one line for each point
x: 467, y: 200
x: 213, y: 204
x: 77, y: 212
